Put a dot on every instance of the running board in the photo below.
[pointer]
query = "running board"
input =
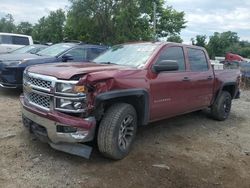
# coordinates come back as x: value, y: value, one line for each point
x: 80, y: 150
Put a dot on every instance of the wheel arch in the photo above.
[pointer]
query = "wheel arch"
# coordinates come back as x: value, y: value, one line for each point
x: 138, y: 98
x: 230, y: 87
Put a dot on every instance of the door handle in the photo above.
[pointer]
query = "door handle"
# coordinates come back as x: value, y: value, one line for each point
x: 187, y: 79
x: 209, y: 77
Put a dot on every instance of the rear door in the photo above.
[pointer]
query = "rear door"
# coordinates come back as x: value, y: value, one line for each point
x: 201, y: 78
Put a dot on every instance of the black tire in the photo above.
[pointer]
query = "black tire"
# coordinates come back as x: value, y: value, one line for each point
x: 221, y: 108
x: 115, y: 141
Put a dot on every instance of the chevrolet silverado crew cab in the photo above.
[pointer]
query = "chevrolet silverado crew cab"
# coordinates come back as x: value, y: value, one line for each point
x: 128, y: 86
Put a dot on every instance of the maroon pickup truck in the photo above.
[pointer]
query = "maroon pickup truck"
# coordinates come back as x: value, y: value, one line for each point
x: 128, y: 86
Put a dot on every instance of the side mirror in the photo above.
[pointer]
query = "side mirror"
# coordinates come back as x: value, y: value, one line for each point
x: 67, y: 57
x: 166, y: 65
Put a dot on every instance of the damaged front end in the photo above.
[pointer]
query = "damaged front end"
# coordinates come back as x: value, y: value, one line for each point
x: 58, y: 112
x: 64, y: 113
x: 68, y: 139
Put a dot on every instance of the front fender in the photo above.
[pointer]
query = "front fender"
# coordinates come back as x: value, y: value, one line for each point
x: 116, y: 94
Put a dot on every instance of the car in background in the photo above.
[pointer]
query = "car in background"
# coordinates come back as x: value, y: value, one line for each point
x: 11, y: 70
x: 33, y: 49
x: 11, y: 41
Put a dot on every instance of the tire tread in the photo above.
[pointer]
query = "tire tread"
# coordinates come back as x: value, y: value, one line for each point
x: 215, y: 109
x: 107, y: 128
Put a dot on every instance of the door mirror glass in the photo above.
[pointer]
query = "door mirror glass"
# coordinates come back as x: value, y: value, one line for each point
x: 166, y: 65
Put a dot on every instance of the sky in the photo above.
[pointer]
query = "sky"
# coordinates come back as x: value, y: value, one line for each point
x: 204, y: 17
x: 30, y: 10
x: 208, y: 16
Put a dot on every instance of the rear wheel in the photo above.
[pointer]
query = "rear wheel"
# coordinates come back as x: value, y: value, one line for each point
x: 220, y: 110
x: 117, y: 131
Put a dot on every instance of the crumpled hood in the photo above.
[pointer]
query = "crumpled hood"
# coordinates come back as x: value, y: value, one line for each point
x: 6, y: 58
x: 68, y: 70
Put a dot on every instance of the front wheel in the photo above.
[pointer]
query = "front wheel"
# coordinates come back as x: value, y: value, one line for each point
x: 221, y: 108
x: 117, y: 131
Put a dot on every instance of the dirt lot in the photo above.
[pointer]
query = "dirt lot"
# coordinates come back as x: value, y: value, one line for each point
x: 190, y: 151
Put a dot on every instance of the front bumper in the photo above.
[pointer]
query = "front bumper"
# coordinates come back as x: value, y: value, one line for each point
x: 11, y: 77
x: 10, y: 86
x: 44, y: 126
x: 49, y: 120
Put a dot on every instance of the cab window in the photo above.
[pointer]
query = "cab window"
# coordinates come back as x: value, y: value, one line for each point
x: 20, y: 40
x: 94, y: 52
x: 197, y: 60
x: 173, y: 54
x: 5, y: 39
x: 17, y: 40
x: 79, y: 54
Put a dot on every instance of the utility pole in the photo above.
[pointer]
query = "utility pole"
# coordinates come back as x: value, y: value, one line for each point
x: 155, y: 38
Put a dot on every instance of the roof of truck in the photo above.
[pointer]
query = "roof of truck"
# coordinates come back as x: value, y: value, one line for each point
x: 14, y: 34
x: 163, y: 43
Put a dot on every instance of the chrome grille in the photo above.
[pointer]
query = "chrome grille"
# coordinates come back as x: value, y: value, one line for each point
x: 39, y: 91
x: 37, y: 82
x: 39, y: 100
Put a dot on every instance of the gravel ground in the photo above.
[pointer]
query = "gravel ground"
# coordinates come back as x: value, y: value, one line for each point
x: 186, y: 151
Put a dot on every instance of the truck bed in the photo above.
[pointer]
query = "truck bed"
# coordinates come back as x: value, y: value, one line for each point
x: 226, y: 76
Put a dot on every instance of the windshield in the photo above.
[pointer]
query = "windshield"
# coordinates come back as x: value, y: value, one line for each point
x: 135, y: 55
x: 55, y: 50
x: 23, y: 50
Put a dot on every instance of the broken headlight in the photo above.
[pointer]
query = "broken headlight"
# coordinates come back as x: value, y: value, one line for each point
x: 74, y: 105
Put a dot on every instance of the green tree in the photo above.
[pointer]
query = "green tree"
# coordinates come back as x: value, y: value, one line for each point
x: 242, y: 48
x: 50, y: 28
x: 7, y: 24
x: 25, y: 28
x: 219, y: 43
x: 245, y: 52
x: 200, y: 40
x: 109, y: 21
x: 175, y: 38
x: 170, y: 22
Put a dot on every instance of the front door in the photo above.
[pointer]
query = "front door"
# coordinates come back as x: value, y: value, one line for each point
x: 169, y: 89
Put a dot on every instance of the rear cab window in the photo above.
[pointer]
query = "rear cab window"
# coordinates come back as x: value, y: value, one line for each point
x: 173, y: 53
x: 20, y: 40
x: 197, y: 60
x: 5, y: 39
x: 16, y: 40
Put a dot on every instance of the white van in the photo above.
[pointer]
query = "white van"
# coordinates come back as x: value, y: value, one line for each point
x: 11, y: 41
